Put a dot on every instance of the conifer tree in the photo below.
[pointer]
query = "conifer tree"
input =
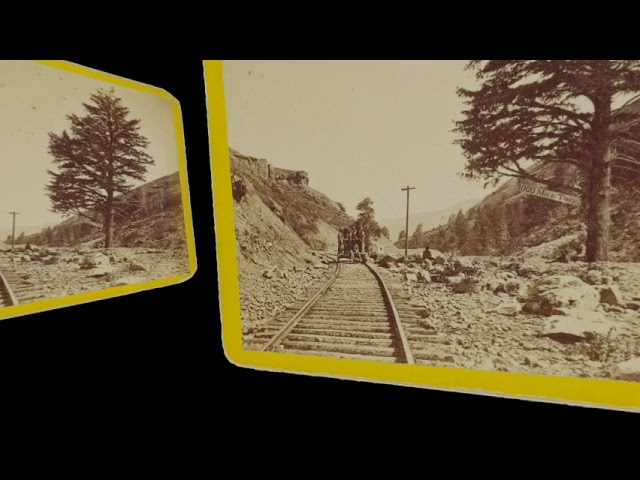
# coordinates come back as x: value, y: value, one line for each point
x: 555, y: 112
x: 96, y: 160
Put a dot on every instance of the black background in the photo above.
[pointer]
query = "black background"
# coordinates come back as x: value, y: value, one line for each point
x: 157, y: 356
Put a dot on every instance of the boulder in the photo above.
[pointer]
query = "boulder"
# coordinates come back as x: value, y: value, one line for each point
x: 509, y: 309
x: 135, y: 266
x: 410, y: 277
x: 438, y: 257
x: 128, y: 281
x: 454, y: 280
x: 462, y: 262
x: 50, y: 260
x: 514, y: 287
x: 267, y: 274
x: 611, y: 295
x: 101, y: 271
x: 93, y: 261
x: 594, y: 277
x: 629, y: 370
x: 633, y: 305
x: 581, y: 325
x: 466, y: 285
x: 561, y: 291
x: 424, y: 277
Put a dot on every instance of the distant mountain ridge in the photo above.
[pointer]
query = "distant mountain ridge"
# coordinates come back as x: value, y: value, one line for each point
x: 27, y: 230
x: 429, y: 219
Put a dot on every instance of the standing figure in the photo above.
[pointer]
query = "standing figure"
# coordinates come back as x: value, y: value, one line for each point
x: 340, y: 242
x: 360, y: 234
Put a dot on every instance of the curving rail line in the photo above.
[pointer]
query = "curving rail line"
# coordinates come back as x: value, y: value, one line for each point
x: 7, y: 297
x: 16, y: 288
x: 353, y: 315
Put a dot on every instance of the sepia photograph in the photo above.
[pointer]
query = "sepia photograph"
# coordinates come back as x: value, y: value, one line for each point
x: 90, y: 185
x: 480, y: 215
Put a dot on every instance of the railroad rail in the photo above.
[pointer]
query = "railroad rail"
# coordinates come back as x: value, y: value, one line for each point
x: 352, y: 316
x: 15, y: 287
x: 7, y: 297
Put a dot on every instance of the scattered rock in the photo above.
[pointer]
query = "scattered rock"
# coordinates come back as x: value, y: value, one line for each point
x: 466, y: 285
x: 629, y: 370
x: 594, y: 277
x: 463, y: 262
x: 128, y: 281
x: 135, y: 266
x: 101, y: 271
x: 424, y: 277
x: 410, y: 277
x: 513, y: 287
x: 531, y: 361
x: 320, y: 266
x: 509, y: 309
x: 94, y: 260
x: 267, y: 274
x: 633, y: 305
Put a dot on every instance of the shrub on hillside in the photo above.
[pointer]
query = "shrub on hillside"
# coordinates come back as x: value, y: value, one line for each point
x: 239, y: 188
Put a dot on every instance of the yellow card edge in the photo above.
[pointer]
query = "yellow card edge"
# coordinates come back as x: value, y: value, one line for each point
x: 55, y: 303
x: 616, y: 395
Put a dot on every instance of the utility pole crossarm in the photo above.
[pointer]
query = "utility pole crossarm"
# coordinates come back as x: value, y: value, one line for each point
x: 406, y: 235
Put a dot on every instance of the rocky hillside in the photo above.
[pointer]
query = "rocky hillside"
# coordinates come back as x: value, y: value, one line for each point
x: 282, y: 226
x: 150, y: 215
x: 509, y: 222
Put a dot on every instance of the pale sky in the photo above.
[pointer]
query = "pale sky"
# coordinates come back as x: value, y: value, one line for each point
x: 35, y: 100
x: 359, y: 128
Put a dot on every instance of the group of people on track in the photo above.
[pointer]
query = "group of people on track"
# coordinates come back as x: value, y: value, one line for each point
x: 351, y: 240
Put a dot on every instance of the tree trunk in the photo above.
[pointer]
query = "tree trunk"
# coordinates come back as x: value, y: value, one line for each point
x: 108, y: 221
x: 598, y: 200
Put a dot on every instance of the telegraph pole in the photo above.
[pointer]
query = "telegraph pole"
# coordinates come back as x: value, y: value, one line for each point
x: 406, y: 235
x: 13, y: 233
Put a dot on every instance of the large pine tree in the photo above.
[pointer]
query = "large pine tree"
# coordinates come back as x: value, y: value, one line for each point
x: 556, y: 112
x: 102, y: 153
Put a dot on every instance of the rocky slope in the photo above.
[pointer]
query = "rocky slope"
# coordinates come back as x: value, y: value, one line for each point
x: 509, y: 222
x: 149, y: 216
x: 282, y: 227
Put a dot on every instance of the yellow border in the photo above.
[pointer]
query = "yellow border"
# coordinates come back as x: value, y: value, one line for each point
x: 50, y: 304
x: 577, y: 391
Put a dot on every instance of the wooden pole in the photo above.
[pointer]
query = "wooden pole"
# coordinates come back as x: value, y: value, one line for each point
x: 13, y: 233
x: 406, y: 235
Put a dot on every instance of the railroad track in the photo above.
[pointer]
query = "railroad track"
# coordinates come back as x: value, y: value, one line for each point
x: 352, y: 316
x: 15, y: 287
